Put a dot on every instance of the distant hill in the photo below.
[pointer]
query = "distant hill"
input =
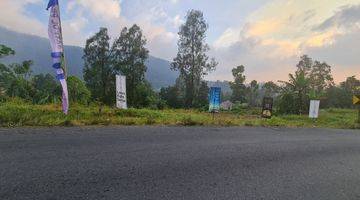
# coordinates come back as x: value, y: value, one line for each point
x: 30, y: 47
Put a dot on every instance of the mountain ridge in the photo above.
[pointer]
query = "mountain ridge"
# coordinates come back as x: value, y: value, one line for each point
x: 158, y: 74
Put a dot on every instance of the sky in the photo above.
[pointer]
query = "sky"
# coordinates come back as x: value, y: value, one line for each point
x: 266, y: 36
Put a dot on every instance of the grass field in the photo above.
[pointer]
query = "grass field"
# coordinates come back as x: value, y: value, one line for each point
x: 17, y: 113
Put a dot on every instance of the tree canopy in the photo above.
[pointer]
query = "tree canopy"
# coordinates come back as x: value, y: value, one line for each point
x: 192, y: 60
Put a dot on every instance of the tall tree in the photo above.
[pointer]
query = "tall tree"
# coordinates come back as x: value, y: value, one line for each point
x: 311, y: 80
x: 98, y: 73
x: 192, y: 60
x: 128, y: 56
x: 304, y: 66
x: 320, y: 78
x: 238, y: 87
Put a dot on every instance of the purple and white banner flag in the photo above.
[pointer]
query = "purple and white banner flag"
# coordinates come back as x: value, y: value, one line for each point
x: 57, y: 47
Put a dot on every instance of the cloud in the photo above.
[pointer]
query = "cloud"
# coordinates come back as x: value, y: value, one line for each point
x: 177, y: 21
x: 153, y: 20
x: 73, y: 30
x: 268, y: 41
x: 342, y: 54
x: 228, y: 38
x: 104, y: 9
x: 347, y: 16
x: 273, y: 38
x: 13, y: 16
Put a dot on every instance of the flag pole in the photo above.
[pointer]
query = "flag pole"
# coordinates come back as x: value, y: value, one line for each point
x: 62, y: 42
x: 58, y: 51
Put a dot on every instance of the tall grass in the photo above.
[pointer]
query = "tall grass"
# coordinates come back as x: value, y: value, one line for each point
x: 17, y: 113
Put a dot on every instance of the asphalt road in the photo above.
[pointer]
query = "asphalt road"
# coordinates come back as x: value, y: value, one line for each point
x: 179, y: 163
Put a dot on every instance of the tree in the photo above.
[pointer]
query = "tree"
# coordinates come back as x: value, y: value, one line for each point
x: 145, y: 96
x: 78, y: 93
x: 24, y: 69
x: 192, y: 61
x: 310, y: 81
x: 287, y: 103
x: 128, y: 56
x: 298, y: 86
x: 341, y: 95
x: 304, y: 66
x: 4, y: 70
x: 98, y: 72
x: 351, y: 84
x: 238, y: 87
x: 14, y: 80
x: 5, y: 51
x: 47, y: 89
x: 171, y: 95
x: 337, y: 97
x: 270, y: 89
x: 320, y: 78
x: 253, y: 93
x: 202, y: 99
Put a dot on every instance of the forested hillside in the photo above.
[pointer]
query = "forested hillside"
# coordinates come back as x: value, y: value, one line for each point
x: 29, y: 47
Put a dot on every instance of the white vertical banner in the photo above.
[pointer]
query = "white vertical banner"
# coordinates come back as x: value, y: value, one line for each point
x: 314, y: 109
x: 57, y: 50
x: 121, y: 101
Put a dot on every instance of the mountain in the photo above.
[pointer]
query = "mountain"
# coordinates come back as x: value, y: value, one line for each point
x: 30, y: 47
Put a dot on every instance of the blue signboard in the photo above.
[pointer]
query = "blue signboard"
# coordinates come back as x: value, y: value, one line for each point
x: 215, y: 99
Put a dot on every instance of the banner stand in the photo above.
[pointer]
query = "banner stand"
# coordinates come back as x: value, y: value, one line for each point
x: 314, y: 109
x: 214, y: 100
x: 121, y: 97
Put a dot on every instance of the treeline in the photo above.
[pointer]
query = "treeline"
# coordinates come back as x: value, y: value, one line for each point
x: 126, y: 54
x: 312, y: 80
x: 17, y: 80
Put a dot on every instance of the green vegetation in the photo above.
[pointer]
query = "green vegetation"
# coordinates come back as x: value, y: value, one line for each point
x: 17, y: 113
x: 34, y: 100
x: 192, y: 60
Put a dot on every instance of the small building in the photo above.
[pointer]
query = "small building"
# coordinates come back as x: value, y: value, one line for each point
x: 226, y: 105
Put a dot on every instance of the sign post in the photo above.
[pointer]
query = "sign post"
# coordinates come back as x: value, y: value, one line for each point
x: 314, y: 109
x: 356, y: 101
x: 121, y: 101
x: 214, y: 100
x: 267, y: 107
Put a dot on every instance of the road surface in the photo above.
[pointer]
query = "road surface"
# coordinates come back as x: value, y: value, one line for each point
x: 179, y: 163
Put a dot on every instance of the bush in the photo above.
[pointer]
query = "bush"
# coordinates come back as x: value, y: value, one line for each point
x: 287, y: 104
x: 78, y: 92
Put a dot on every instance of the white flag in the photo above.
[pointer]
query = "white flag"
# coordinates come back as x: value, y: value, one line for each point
x: 57, y: 50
